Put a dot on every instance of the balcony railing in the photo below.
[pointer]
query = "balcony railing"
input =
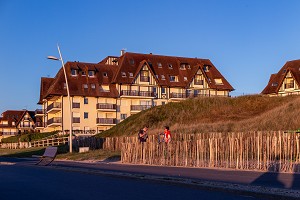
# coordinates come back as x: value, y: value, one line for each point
x: 54, y: 105
x: 75, y: 105
x: 144, y: 78
x: 40, y: 124
x: 54, y: 120
x: 178, y: 95
x: 137, y: 93
x: 9, y: 133
x: 106, y: 121
x: 289, y: 85
x: 106, y: 106
x: 26, y: 126
x: 139, y: 107
x: 76, y: 120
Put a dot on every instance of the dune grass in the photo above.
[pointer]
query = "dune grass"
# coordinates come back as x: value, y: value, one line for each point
x: 216, y: 114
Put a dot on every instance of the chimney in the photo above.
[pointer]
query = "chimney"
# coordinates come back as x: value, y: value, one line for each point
x: 122, y: 51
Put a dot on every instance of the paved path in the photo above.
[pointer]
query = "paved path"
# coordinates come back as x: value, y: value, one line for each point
x: 247, y: 182
x: 26, y: 181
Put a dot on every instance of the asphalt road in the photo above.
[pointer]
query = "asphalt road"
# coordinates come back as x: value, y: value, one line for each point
x: 35, y: 182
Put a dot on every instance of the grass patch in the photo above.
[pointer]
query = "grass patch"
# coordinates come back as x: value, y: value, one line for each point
x: 63, y: 154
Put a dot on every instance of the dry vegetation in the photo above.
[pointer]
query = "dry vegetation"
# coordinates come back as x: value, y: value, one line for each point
x: 245, y: 113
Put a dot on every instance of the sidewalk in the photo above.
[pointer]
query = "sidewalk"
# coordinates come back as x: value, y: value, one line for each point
x: 261, y: 184
x: 265, y: 185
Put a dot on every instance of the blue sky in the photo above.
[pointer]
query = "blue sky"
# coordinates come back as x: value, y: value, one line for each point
x: 246, y: 40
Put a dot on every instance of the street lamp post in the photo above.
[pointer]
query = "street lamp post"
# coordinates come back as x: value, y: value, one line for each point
x: 68, y: 91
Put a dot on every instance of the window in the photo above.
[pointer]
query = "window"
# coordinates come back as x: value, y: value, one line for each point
x: 83, y: 73
x: 156, y: 76
x: 163, y: 77
x: 159, y: 65
x: 65, y: 86
x: 198, y: 80
x: 86, y: 115
x: 130, y: 74
x: 275, y: 84
x: 85, y: 86
x: 123, y: 116
x: 163, y: 90
x: 188, y: 66
x: 86, y: 100
x: 206, y: 68
x: 91, y: 73
x: 173, y: 78
x: 123, y: 74
x: 93, y: 86
x: 218, y: 81
x: 170, y: 66
x: 131, y: 61
x: 182, y: 66
x: 144, y: 76
x: 73, y: 72
x: 105, y: 74
x: 185, y: 78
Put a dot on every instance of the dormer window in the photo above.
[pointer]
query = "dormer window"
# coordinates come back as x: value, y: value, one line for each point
x: 130, y: 74
x: 83, y: 73
x: 131, y: 61
x: 182, y: 66
x: 170, y: 66
x: 74, y: 72
x: 275, y: 84
x: 93, y: 86
x: 65, y: 86
x: 85, y: 86
x: 206, y: 68
x: 163, y: 77
x: 185, y: 78
x: 159, y: 65
x: 104, y: 74
x: 218, y: 81
x: 123, y: 74
x: 188, y: 66
x: 173, y: 78
x: 91, y: 73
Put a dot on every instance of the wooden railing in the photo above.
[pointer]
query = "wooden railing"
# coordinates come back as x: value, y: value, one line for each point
x: 50, y: 142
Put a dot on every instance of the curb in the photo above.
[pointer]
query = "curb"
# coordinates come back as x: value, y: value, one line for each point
x: 257, y: 191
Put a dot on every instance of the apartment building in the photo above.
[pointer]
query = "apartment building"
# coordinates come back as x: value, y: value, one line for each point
x: 286, y: 81
x: 13, y: 122
x: 105, y: 93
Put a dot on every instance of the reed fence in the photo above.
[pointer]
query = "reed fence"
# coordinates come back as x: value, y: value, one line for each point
x: 267, y: 151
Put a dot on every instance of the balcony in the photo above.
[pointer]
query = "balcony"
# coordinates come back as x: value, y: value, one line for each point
x: 174, y: 95
x: 26, y: 126
x: 76, y: 120
x: 138, y: 94
x: 39, y: 112
x: 106, y: 121
x: 54, y: 107
x: 55, y: 121
x: 138, y: 108
x: 106, y: 107
x: 40, y: 125
x: 75, y: 105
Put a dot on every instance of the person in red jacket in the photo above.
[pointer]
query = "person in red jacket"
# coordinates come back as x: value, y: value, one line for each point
x: 167, y: 134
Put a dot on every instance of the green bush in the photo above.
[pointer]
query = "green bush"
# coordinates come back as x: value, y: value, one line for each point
x: 28, y: 137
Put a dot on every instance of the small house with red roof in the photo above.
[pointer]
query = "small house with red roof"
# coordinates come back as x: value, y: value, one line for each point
x: 286, y: 81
